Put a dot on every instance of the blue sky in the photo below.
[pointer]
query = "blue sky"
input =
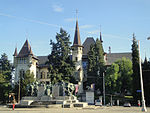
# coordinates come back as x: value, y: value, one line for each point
x: 39, y: 20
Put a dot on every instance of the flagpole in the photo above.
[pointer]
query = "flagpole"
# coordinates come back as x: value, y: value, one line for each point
x: 142, y: 89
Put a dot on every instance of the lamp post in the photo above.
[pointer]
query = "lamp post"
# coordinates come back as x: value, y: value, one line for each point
x: 104, y: 87
x: 19, y: 91
x: 142, y: 89
x: 103, y: 78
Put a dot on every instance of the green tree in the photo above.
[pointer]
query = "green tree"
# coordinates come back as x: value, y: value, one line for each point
x: 112, y: 75
x: 136, y: 70
x: 5, y: 77
x: 96, y: 64
x: 91, y: 61
x: 125, y: 73
x: 119, y: 77
x: 25, y: 80
x: 61, y: 67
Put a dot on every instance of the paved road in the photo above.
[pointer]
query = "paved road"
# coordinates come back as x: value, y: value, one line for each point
x: 89, y: 109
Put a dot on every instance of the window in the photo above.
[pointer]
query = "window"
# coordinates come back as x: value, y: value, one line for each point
x: 43, y: 76
x: 36, y: 74
x: 84, y: 64
x: 76, y: 58
x: 24, y: 61
x: 20, y: 61
x: 47, y: 82
x: 48, y: 75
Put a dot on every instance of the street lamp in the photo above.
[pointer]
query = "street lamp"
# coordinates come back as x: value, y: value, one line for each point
x: 142, y: 89
x: 103, y: 78
x: 19, y: 91
x: 104, y: 87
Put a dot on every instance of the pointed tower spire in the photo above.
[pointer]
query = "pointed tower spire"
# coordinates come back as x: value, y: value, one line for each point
x: 133, y: 36
x: 25, y: 50
x: 100, y: 35
x: 15, y: 53
x: 77, y: 41
x: 145, y: 59
x: 109, y: 49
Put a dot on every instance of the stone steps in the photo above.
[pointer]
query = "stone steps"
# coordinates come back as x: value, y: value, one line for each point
x: 79, y: 104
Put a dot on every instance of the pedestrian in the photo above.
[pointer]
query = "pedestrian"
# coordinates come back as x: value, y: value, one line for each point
x: 13, y: 105
x: 139, y: 103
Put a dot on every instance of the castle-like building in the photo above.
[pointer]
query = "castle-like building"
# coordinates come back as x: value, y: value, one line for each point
x: 26, y: 60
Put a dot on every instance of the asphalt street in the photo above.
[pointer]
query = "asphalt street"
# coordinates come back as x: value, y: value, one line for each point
x: 89, y: 109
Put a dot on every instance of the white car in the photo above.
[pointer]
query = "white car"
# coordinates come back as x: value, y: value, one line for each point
x: 98, y: 102
x: 127, y: 104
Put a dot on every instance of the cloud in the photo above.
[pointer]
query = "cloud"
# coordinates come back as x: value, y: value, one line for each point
x: 57, y: 8
x: 86, y: 26
x: 116, y: 37
x: 29, y: 20
x: 94, y: 32
x: 70, y: 19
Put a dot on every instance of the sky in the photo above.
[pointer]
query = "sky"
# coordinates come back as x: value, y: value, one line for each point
x: 40, y: 20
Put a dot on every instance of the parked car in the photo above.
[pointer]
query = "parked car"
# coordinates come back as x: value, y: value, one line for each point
x: 98, y: 102
x: 127, y: 104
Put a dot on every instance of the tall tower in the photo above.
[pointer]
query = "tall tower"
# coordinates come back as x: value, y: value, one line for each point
x: 77, y: 57
x: 101, y: 37
x: 24, y: 61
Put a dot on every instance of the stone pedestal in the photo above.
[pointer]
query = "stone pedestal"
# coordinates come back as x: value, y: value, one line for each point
x: 80, y: 90
x: 55, y: 91
x: 90, y: 97
x: 41, y: 91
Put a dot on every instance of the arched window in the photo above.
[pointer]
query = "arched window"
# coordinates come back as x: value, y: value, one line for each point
x: 43, y: 75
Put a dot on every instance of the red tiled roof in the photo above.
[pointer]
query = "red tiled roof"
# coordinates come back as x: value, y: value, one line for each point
x: 25, y: 50
x: 15, y: 53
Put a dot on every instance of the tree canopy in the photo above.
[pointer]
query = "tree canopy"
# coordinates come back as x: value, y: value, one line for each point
x: 26, y: 79
x: 5, y: 77
x: 136, y: 69
x: 61, y: 67
x: 119, y: 77
x: 96, y: 63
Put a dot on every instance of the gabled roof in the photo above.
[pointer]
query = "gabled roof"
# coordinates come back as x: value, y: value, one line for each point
x: 112, y: 57
x: 77, y: 41
x: 87, y: 43
x: 25, y: 50
x: 42, y: 61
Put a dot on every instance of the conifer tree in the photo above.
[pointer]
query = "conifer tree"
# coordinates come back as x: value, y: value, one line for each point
x: 5, y: 77
x: 136, y: 69
x: 61, y: 66
x: 96, y: 64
